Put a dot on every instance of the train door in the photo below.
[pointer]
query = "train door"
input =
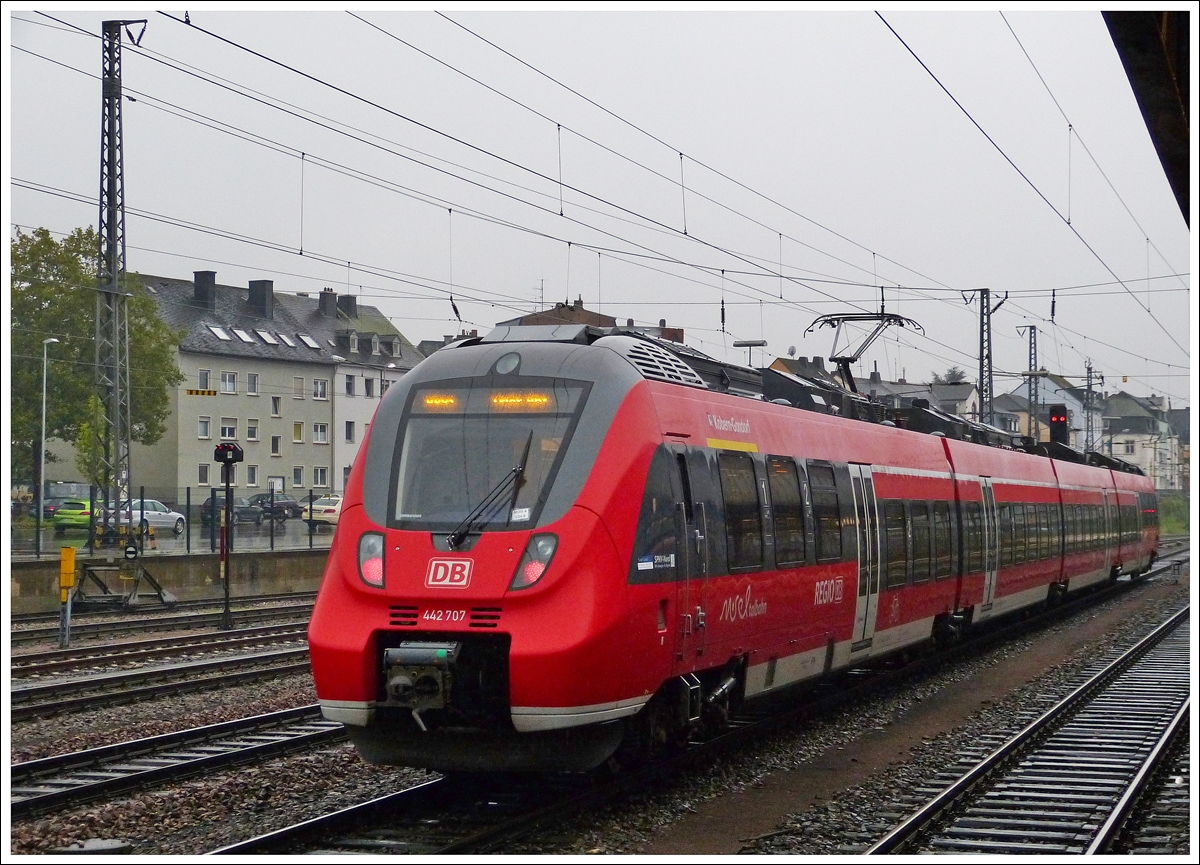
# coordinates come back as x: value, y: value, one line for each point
x: 991, y: 544
x: 693, y: 547
x: 869, y: 558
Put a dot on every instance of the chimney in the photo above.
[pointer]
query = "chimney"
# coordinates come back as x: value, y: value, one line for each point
x: 262, y: 298
x: 327, y: 303
x: 205, y: 295
x: 629, y: 322
x: 348, y: 305
x: 579, y: 302
x: 662, y: 322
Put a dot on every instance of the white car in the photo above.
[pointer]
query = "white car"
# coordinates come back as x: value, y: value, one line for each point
x: 157, y: 515
x: 326, y: 509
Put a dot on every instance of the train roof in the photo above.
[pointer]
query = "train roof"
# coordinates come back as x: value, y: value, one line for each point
x: 675, y: 363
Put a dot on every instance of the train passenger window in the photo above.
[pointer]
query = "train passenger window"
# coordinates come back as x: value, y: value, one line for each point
x: 825, y: 513
x: 743, y: 515
x: 1044, y: 528
x: 1020, y: 534
x: 1033, y: 529
x: 973, y: 519
x: 1004, y: 516
x: 1056, y: 534
x: 920, y: 541
x: 787, y: 508
x: 654, y: 545
x: 897, y: 543
x: 942, y: 540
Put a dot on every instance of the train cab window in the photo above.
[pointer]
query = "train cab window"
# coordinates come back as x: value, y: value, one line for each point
x: 825, y: 513
x: 973, y: 541
x: 654, y: 545
x: 787, y: 510
x: 896, y: 535
x: 743, y: 514
x: 920, y: 541
x: 943, y: 549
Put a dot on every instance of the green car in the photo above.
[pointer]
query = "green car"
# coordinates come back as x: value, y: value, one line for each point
x: 72, y: 514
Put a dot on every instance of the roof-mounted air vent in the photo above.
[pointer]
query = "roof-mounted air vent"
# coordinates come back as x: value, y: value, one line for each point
x: 653, y: 361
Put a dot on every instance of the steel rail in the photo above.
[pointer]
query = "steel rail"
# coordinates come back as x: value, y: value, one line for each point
x: 162, y: 623
x: 906, y: 832
x: 69, y: 779
x: 193, y: 603
x: 56, y: 697
x: 43, y: 663
x: 1112, y: 826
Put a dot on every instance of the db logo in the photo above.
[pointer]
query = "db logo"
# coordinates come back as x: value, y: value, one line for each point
x: 448, y: 574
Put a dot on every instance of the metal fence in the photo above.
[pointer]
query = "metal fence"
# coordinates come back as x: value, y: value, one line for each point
x: 174, y: 521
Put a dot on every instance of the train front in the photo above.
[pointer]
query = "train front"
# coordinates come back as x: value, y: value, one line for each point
x: 470, y: 615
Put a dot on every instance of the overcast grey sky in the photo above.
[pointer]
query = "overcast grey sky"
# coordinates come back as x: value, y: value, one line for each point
x: 814, y: 146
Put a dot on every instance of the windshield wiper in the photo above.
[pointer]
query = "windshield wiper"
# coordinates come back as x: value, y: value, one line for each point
x: 514, y: 475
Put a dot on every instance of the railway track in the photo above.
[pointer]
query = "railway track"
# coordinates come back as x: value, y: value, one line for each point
x: 112, y: 689
x: 1068, y: 781
x: 23, y: 619
x: 171, y: 622
x: 477, y: 814
x: 49, y: 663
x: 70, y: 779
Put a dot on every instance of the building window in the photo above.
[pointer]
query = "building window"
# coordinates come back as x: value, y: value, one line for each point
x: 345, y: 476
x: 374, y: 345
x: 320, y: 388
x: 203, y: 475
x: 384, y: 384
x: 252, y: 429
x: 229, y: 474
x: 368, y: 387
x: 276, y: 446
x: 320, y: 434
x: 297, y: 476
x: 1128, y: 447
x: 349, y: 431
x: 228, y: 382
x: 251, y: 476
x: 320, y: 476
x: 204, y: 430
x: 297, y: 387
x: 395, y: 347
x: 298, y: 432
x: 276, y: 406
x: 252, y: 383
x: 228, y: 428
x: 203, y: 377
x: 349, y: 385
x: 354, y: 342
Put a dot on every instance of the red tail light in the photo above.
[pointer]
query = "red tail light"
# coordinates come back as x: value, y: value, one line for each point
x: 535, y: 561
x: 370, y: 559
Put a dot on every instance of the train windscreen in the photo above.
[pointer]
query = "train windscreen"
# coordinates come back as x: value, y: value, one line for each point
x: 482, y: 453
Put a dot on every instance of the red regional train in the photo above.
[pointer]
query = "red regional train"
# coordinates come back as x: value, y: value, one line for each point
x: 559, y: 541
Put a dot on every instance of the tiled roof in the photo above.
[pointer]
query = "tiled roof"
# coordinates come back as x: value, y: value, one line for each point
x: 293, y: 316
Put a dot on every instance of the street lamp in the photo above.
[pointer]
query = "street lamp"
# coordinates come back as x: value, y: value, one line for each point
x: 42, y: 452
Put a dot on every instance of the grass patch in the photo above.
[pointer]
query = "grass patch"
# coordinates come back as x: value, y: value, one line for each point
x: 1174, y: 513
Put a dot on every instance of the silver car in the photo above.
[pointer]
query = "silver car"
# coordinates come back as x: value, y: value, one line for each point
x: 157, y: 515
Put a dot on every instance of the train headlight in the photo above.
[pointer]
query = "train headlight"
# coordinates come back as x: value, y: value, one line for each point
x: 538, y: 553
x: 370, y: 559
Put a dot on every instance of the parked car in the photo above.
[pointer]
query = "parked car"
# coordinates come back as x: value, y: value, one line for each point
x: 326, y: 510
x: 286, y: 507
x: 154, y: 515
x: 244, y: 510
x: 72, y: 514
x: 50, y: 507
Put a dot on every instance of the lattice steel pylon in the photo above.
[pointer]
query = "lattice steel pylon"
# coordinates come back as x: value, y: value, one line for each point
x: 112, y: 319
x: 1035, y: 426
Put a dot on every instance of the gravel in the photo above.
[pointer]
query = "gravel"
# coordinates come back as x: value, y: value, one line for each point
x: 202, y: 815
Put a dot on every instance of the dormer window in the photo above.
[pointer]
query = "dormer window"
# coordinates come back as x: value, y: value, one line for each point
x: 353, y: 342
x: 395, y: 347
x: 374, y: 345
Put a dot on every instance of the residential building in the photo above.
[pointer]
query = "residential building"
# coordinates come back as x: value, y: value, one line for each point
x: 1137, y: 430
x: 270, y: 371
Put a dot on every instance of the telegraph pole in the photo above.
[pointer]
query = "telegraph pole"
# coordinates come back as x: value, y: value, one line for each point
x: 112, y: 322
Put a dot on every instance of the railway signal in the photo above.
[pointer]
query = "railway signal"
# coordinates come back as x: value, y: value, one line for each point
x: 1060, y: 431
